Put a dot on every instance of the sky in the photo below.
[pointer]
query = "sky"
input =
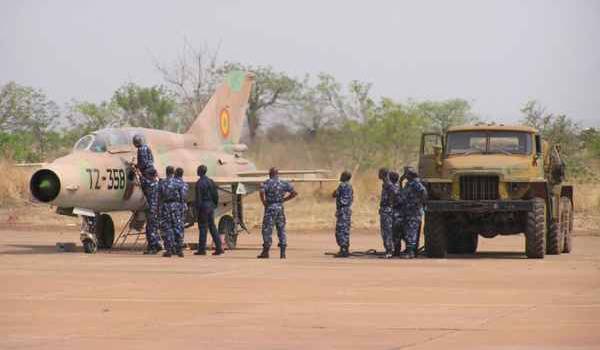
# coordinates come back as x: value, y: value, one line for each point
x: 495, y: 54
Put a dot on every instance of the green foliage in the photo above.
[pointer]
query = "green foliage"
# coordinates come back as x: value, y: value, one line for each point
x: 25, y: 110
x: 271, y: 90
x: 144, y: 107
x: 444, y: 114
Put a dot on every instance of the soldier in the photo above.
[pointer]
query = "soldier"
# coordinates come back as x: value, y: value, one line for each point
x: 145, y: 165
x: 272, y: 195
x: 145, y: 160
x: 207, y: 199
x: 169, y: 212
x: 398, y: 215
x: 344, y: 196
x: 416, y: 194
x: 386, y: 212
x: 151, y: 186
x: 183, y: 190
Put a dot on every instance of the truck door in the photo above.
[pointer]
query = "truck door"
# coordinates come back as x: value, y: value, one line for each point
x: 430, y: 155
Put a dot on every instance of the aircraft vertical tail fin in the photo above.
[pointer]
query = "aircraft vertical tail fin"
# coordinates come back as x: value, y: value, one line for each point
x: 220, y: 123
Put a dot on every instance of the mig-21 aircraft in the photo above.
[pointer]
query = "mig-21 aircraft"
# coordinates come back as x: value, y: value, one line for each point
x: 98, y: 177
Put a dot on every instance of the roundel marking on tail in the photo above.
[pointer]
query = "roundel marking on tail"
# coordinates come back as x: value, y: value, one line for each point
x: 224, y: 123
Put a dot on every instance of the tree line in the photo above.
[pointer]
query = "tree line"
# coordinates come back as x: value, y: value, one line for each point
x: 342, y: 123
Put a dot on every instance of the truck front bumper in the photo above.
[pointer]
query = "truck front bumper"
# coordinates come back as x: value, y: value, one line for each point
x: 479, y: 206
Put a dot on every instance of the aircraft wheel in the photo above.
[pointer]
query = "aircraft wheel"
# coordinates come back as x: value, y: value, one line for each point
x: 105, y: 231
x: 89, y: 246
x: 227, y: 228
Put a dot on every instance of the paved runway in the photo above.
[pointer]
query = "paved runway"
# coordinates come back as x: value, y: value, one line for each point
x: 496, y: 299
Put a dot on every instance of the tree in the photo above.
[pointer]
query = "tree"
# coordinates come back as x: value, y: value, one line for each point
x: 556, y: 129
x: 444, y: 114
x: 25, y: 109
x: 87, y: 116
x: 271, y: 90
x: 144, y: 107
x: 193, y: 78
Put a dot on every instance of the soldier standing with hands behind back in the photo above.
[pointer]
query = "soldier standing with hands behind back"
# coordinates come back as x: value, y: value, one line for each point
x: 344, y: 195
x: 272, y: 195
x: 207, y: 199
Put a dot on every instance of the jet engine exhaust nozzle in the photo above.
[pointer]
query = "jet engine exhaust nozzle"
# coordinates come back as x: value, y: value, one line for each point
x: 44, y: 185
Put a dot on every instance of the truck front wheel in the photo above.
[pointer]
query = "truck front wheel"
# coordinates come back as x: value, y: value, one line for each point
x: 435, y: 235
x: 535, y: 232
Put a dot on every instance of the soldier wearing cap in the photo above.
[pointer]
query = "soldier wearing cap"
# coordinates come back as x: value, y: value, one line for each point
x: 273, y: 195
x: 344, y: 196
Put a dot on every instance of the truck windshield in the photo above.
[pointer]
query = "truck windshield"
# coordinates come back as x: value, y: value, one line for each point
x: 488, y: 142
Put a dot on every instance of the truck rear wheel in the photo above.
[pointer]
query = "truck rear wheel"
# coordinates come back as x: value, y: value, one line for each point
x: 556, y: 239
x: 436, y: 242
x: 566, y: 218
x: 535, y: 232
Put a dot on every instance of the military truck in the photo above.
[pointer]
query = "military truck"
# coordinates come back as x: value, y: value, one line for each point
x: 493, y: 179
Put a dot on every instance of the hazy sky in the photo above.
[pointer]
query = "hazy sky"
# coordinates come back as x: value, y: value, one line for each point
x: 496, y: 54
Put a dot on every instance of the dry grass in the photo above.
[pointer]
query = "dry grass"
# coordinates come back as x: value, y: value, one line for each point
x: 14, y: 184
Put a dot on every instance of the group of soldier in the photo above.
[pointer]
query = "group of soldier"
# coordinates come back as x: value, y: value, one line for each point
x: 400, y: 209
x: 400, y: 212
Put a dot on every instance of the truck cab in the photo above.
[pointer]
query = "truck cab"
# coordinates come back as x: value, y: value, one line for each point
x: 491, y: 179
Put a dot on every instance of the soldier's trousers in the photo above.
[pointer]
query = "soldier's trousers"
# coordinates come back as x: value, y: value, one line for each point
x: 206, y: 222
x: 412, y: 226
x: 398, y: 229
x: 386, y: 223
x: 169, y: 217
x: 274, y: 215
x: 179, y: 230
x: 152, y: 220
x: 343, y: 223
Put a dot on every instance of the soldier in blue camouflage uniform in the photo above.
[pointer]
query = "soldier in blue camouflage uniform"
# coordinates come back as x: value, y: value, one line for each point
x: 344, y: 197
x: 180, y: 229
x: 169, y: 212
x: 151, y: 186
x: 272, y: 195
x: 398, y: 214
x: 416, y: 194
x: 386, y: 212
x: 145, y: 165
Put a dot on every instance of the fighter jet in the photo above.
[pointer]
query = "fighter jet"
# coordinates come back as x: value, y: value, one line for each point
x: 98, y: 177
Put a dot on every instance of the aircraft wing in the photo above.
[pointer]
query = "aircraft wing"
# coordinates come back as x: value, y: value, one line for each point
x: 313, y: 172
x: 255, y: 180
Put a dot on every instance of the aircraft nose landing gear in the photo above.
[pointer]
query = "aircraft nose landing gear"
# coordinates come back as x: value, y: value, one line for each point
x: 97, y: 232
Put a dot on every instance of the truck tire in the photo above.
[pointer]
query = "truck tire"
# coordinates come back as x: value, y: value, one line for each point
x: 469, y: 243
x: 566, y: 217
x: 535, y: 232
x: 436, y: 242
x: 556, y: 239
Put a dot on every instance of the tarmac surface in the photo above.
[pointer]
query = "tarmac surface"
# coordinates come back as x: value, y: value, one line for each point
x: 496, y: 299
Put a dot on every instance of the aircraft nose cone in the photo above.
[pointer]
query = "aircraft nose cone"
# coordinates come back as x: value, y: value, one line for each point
x: 44, y: 185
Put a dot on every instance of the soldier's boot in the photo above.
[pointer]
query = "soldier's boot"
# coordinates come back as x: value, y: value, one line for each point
x: 150, y: 250
x: 397, y: 250
x: 409, y: 253
x: 180, y: 253
x: 346, y: 252
x: 339, y: 254
x: 218, y: 252
x: 388, y: 254
x: 282, y: 251
x: 167, y: 254
x: 264, y: 254
x: 200, y: 252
